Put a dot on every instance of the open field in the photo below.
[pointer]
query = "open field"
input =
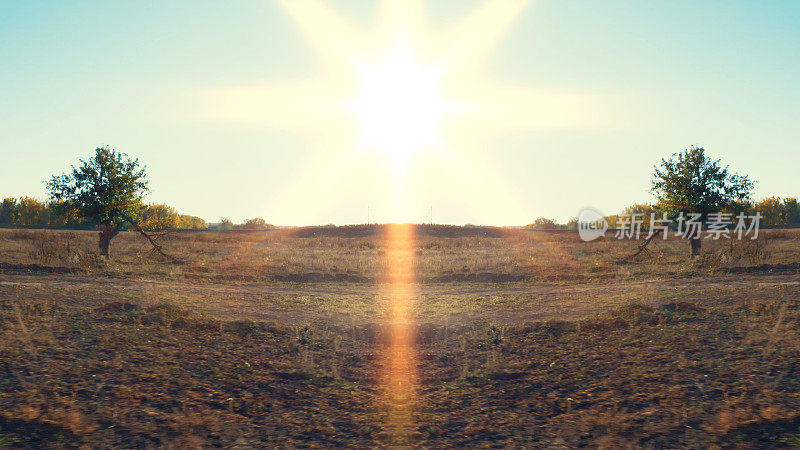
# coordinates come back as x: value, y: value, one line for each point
x: 358, y: 254
x: 292, y: 337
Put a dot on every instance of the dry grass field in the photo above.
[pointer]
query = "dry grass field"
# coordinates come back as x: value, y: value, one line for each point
x: 356, y: 254
x: 510, y: 338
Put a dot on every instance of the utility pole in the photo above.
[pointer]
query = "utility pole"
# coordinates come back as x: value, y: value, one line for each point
x: 367, y: 214
x: 431, y: 214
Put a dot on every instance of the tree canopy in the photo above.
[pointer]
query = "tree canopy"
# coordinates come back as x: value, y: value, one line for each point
x: 107, y: 190
x: 691, y: 182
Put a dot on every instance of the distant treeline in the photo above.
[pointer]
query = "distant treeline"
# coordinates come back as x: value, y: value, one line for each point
x: 543, y: 223
x: 29, y: 212
x: 258, y: 223
x: 775, y: 212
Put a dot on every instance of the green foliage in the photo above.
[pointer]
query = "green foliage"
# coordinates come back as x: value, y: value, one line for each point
x: 257, y: 224
x: 7, y: 210
x: 642, y: 208
x: 106, y: 190
x: 792, y: 211
x: 645, y: 211
x: 163, y: 217
x: 62, y: 215
x: 30, y: 212
x: 543, y: 223
x: 691, y: 182
x: 225, y: 224
x: 160, y: 217
x: 572, y: 224
x: 779, y: 212
x: 191, y: 223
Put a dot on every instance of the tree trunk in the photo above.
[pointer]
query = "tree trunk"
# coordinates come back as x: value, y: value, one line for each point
x: 694, y: 249
x: 106, y: 234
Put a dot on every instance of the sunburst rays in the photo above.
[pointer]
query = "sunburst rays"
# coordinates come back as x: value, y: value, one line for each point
x: 321, y: 108
x: 401, y: 76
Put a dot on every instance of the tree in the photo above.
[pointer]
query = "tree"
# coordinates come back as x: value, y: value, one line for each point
x: 225, y: 224
x: 572, y: 224
x: 779, y: 212
x: 643, y: 212
x: 256, y: 224
x: 62, y: 215
x: 107, y: 190
x: 792, y: 211
x: 772, y: 212
x: 31, y: 212
x: 160, y: 217
x: 8, y: 211
x: 691, y: 182
x: 543, y: 223
x: 191, y: 223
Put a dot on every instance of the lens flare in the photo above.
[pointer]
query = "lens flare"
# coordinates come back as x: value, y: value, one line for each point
x: 397, y: 98
x: 399, y: 359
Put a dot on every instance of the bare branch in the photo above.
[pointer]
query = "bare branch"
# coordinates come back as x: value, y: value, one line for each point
x: 643, y: 246
x: 151, y: 239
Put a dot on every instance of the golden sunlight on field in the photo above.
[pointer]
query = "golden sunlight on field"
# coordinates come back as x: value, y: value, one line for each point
x: 399, y: 224
x: 397, y: 336
x: 399, y: 369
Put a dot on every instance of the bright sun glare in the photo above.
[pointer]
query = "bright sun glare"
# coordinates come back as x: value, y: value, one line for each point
x: 380, y: 92
x: 399, y: 105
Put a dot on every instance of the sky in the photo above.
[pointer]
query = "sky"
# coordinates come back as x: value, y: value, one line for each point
x: 578, y: 101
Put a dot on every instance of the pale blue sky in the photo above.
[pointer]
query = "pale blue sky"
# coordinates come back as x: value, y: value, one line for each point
x: 76, y: 75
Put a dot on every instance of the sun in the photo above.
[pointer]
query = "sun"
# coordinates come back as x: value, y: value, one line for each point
x: 399, y: 105
x: 402, y: 110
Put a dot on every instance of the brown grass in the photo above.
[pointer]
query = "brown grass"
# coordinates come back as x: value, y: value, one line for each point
x: 444, y: 254
x: 524, y: 339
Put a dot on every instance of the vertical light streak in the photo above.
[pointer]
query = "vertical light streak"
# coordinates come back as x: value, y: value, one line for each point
x: 399, y: 361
